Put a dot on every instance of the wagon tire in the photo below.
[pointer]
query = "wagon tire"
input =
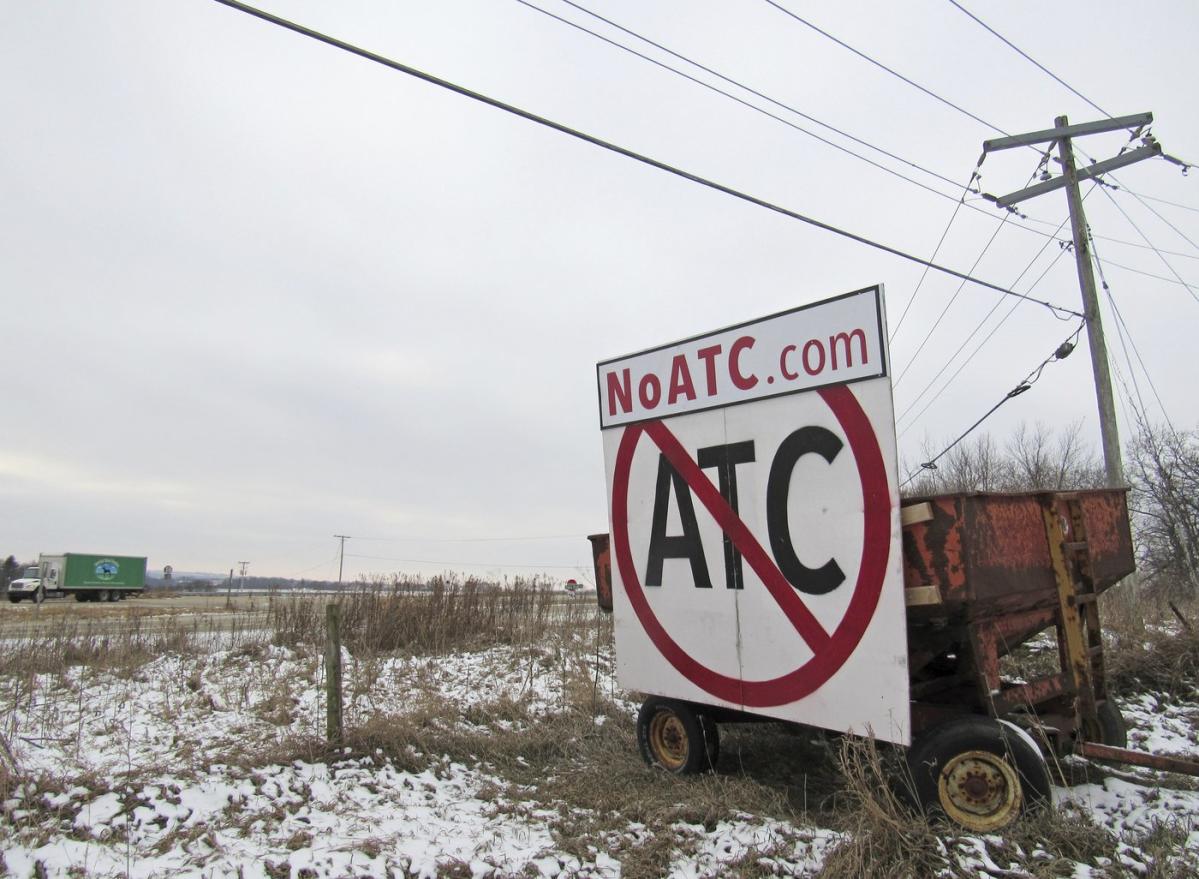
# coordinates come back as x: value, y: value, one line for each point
x: 672, y: 736
x: 14, y: 599
x: 80, y: 597
x: 977, y: 773
x: 102, y: 595
x: 1112, y: 728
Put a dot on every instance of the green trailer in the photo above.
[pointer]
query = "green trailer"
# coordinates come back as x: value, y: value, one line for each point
x: 93, y: 577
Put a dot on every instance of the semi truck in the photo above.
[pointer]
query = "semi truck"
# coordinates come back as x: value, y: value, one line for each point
x: 87, y: 576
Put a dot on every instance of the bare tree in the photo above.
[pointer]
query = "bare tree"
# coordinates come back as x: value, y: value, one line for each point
x: 1163, y: 471
x: 1040, y: 461
x: 1033, y: 459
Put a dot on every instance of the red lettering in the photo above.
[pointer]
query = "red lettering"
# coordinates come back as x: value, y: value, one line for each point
x: 742, y: 382
x: 708, y: 356
x: 845, y: 339
x: 813, y: 345
x: 787, y: 374
x: 649, y: 390
x: 680, y: 380
x: 619, y: 391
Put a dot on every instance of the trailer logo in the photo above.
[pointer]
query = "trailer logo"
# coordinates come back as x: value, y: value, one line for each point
x: 106, y: 569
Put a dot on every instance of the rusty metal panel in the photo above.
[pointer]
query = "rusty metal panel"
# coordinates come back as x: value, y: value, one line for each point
x: 1105, y: 515
x: 932, y: 550
x: 989, y: 552
x: 601, y: 557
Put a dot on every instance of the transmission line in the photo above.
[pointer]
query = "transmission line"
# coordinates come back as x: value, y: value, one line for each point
x: 932, y: 329
x: 978, y: 327
x: 1123, y: 330
x: 1029, y: 58
x: 1159, y: 253
x: 1060, y: 353
x: 619, y: 150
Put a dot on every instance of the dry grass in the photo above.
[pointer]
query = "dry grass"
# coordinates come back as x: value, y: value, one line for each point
x: 884, y: 836
x: 1150, y: 649
x: 444, y: 614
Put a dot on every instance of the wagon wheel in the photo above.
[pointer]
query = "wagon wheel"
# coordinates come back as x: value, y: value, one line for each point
x: 978, y: 773
x: 1111, y: 728
x: 672, y: 735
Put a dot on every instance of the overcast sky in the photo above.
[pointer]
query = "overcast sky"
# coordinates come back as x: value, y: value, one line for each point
x: 259, y: 291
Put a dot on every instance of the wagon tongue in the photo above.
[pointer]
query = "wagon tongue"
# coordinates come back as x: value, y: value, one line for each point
x: 1138, y: 758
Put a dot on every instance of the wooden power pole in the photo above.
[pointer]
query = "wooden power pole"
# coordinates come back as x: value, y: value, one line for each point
x: 1063, y: 133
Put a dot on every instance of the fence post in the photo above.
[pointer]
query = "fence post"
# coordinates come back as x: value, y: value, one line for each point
x: 333, y: 673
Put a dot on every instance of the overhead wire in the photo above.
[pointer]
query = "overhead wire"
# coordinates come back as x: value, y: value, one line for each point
x: 1029, y: 58
x: 945, y: 310
x: 929, y: 92
x: 978, y: 327
x: 463, y: 564
x: 471, y: 539
x: 1060, y: 353
x: 864, y: 56
x: 1116, y: 184
x: 1123, y: 330
x: 1160, y: 254
x: 936, y: 250
x: 958, y: 200
x: 619, y: 150
x: 970, y: 357
x: 724, y: 78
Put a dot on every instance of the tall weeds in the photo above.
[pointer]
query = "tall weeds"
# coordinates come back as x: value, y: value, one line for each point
x: 445, y: 614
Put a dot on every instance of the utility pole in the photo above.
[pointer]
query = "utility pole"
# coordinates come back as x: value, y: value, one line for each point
x: 342, y: 556
x: 1062, y: 133
x: 241, y: 584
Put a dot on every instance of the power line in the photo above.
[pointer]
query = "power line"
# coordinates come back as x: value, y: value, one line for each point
x: 1121, y: 188
x: 471, y: 539
x: 619, y: 150
x: 1079, y: 94
x: 730, y: 81
x: 1159, y: 253
x: 882, y: 66
x: 941, y: 241
x: 866, y: 57
x: 952, y: 299
x: 452, y: 564
x: 916, y: 418
x: 927, y: 336
x: 1117, y: 265
x: 1060, y: 353
x: 1028, y: 57
x: 1123, y: 330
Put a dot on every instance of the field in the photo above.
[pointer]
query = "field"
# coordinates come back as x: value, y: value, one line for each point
x: 485, y: 735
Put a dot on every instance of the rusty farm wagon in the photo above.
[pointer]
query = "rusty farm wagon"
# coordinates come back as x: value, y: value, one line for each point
x: 983, y: 574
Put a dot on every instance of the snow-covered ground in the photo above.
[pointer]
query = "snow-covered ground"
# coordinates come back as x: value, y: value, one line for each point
x: 168, y: 771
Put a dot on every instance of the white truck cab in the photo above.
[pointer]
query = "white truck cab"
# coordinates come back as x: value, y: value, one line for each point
x: 28, y: 585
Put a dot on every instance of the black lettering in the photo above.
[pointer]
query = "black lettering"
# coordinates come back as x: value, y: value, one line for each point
x: 681, y: 546
x: 806, y: 440
x: 725, y: 459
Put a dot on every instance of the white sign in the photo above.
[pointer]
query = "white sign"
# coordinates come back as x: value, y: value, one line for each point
x: 833, y: 342
x: 755, y: 548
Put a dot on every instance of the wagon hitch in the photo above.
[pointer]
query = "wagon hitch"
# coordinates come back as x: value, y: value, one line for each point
x: 1137, y: 758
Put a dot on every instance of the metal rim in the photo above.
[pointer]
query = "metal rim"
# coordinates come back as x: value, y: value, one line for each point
x: 668, y: 740
x: 979, y: 790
